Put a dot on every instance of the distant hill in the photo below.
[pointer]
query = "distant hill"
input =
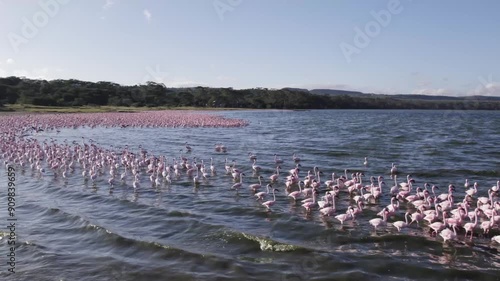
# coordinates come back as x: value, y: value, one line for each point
x: 333, y: 92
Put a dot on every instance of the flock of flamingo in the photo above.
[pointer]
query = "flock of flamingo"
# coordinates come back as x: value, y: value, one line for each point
x: 420, y: 206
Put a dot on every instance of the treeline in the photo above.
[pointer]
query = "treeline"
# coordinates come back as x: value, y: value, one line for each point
x: 15, y: 90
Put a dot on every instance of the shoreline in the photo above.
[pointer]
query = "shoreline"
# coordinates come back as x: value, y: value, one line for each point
x: 17, y: 108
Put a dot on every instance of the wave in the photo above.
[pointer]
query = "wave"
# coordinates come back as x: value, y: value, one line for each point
x: 264, y: 243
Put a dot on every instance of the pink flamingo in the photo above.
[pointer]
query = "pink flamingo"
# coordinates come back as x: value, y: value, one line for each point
x: 256, y: 186
x: 487, y: 225
x: 270, y: 203
x: 394, y: 169
x: 448, y: 235
x: 376, y: 222
x: 330, y: 210
x: 260, y: 195
x: 274, y: 177
x: 344, y: 217
x: 239, y: 184
x: 296, y: 194
x: 277, y: 160
x: 310, y: 204
x: 469, y: 227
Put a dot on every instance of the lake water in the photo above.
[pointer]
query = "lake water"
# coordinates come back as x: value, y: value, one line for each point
x: 71, y: 229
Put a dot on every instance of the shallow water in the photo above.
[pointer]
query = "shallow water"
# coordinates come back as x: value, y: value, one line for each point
x: 71, y: 229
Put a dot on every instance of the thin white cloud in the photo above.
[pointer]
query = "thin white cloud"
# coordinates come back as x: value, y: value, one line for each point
x: 3, y: 73
x: 36, y: 73
x: 185, y: 84
x: 433, y: 92
x: 108, y: 4
x: 329, y: 86
x: 490, y: 89
x: 147, y: 14
x: 10, y: 61
x: 180, y: 82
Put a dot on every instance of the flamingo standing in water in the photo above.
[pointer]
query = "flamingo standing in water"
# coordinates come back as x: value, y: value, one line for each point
x: 343, y: 217
x: 330, y: 210
x: 448, y: 235
x: 394, y: 169
x: 296, y: 194
x: 376, y: 222
x: 238, y: 185
x: 260, y: 195
x: 496, y: 188
x: 270, y: 203
x: 196, y: 179
x: 401, y: 224
x: 308, y: 205
x: 330, y: 183
x: 469, y: 227
x: 212, y: 167
x: 256, y: 168
x: 274, y: 177
x: 486, y: 225
x: 256, y: 186
x: 277, y: 160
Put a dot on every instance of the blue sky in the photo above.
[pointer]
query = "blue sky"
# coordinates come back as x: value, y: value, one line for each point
x: 446, y: 47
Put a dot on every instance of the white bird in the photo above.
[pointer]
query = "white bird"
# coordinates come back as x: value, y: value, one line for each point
x: 447, y: 234
x: 260, y: 195
x: 376, y: 222
x: 401, y: 224
x: 270, y: 203
x: 496, y: 239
